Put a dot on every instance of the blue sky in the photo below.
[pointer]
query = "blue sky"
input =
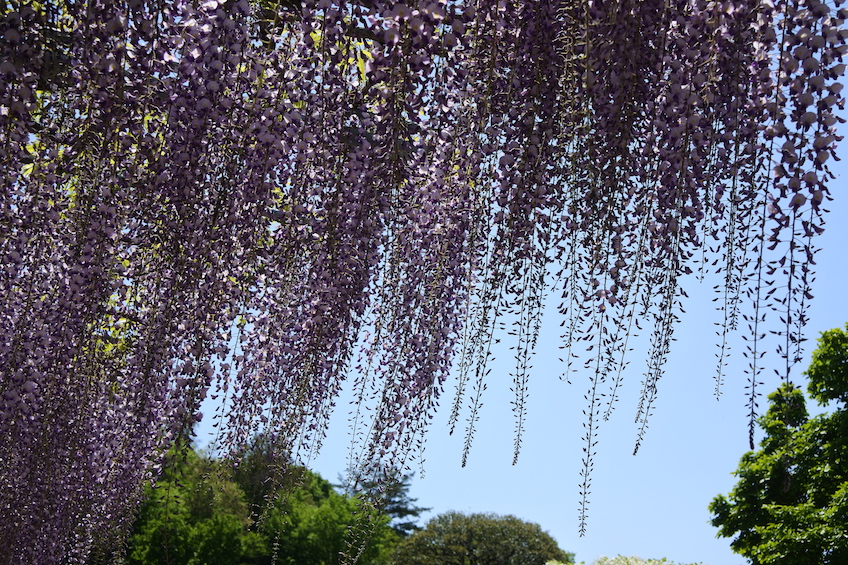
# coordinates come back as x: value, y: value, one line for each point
x: 653, y: 504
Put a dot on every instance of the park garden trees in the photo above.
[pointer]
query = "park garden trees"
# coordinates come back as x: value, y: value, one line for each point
x: 281, y: 198
x: 200, y: 512
x: 478, y: 539
x: 790, y: 505
x: 194, y: 515
x: 392, y: 494
x: 622, y: 560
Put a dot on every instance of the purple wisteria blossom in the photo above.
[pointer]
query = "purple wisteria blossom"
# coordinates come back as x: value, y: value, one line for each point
x: 261, y: 200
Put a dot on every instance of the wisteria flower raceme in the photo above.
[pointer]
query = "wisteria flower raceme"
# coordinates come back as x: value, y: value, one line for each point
x: 262, y: 200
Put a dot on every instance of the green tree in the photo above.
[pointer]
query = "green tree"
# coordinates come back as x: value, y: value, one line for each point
x: 262, y: 470
x: 195, y: 516
x: 790, y: 505
x: 479, y: 539
x: 302, y: 515
x: 314, y: 525
x: 622, y: 560
x: 392, y: 496
x: 199, y: 514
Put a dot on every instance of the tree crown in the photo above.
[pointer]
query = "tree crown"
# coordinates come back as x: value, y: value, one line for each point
x: 790, y: 502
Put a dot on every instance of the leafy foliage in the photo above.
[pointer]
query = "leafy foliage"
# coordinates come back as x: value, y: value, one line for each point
x: 313, y: 525
x: 790, y: 505
x: 196, y: 515
x: 478, y: 539
x: 392, y: 496
x: 622, y: 560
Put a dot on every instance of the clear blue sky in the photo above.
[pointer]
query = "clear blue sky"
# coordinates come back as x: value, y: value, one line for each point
x: 653, y: 504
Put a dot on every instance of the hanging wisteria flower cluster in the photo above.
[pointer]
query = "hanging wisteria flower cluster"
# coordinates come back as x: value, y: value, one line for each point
x: 282, y: 195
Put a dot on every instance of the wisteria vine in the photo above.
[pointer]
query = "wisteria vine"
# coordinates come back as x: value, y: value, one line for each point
x: 273, y: 197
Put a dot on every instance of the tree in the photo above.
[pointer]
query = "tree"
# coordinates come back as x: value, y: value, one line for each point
x: 622, y: 560
x: 303, y: 515
x: 315, y: 525
x: 197, y: 514
x: 790, y: 505
x: 263, y: 474
x: 391, y: 494
x: 478, y: 539
x: 277, y: 197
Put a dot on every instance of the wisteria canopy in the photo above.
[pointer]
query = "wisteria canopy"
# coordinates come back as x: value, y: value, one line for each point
x: 266, y: 199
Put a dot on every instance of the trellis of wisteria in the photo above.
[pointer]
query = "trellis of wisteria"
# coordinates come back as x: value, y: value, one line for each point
x: 283, y: 196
